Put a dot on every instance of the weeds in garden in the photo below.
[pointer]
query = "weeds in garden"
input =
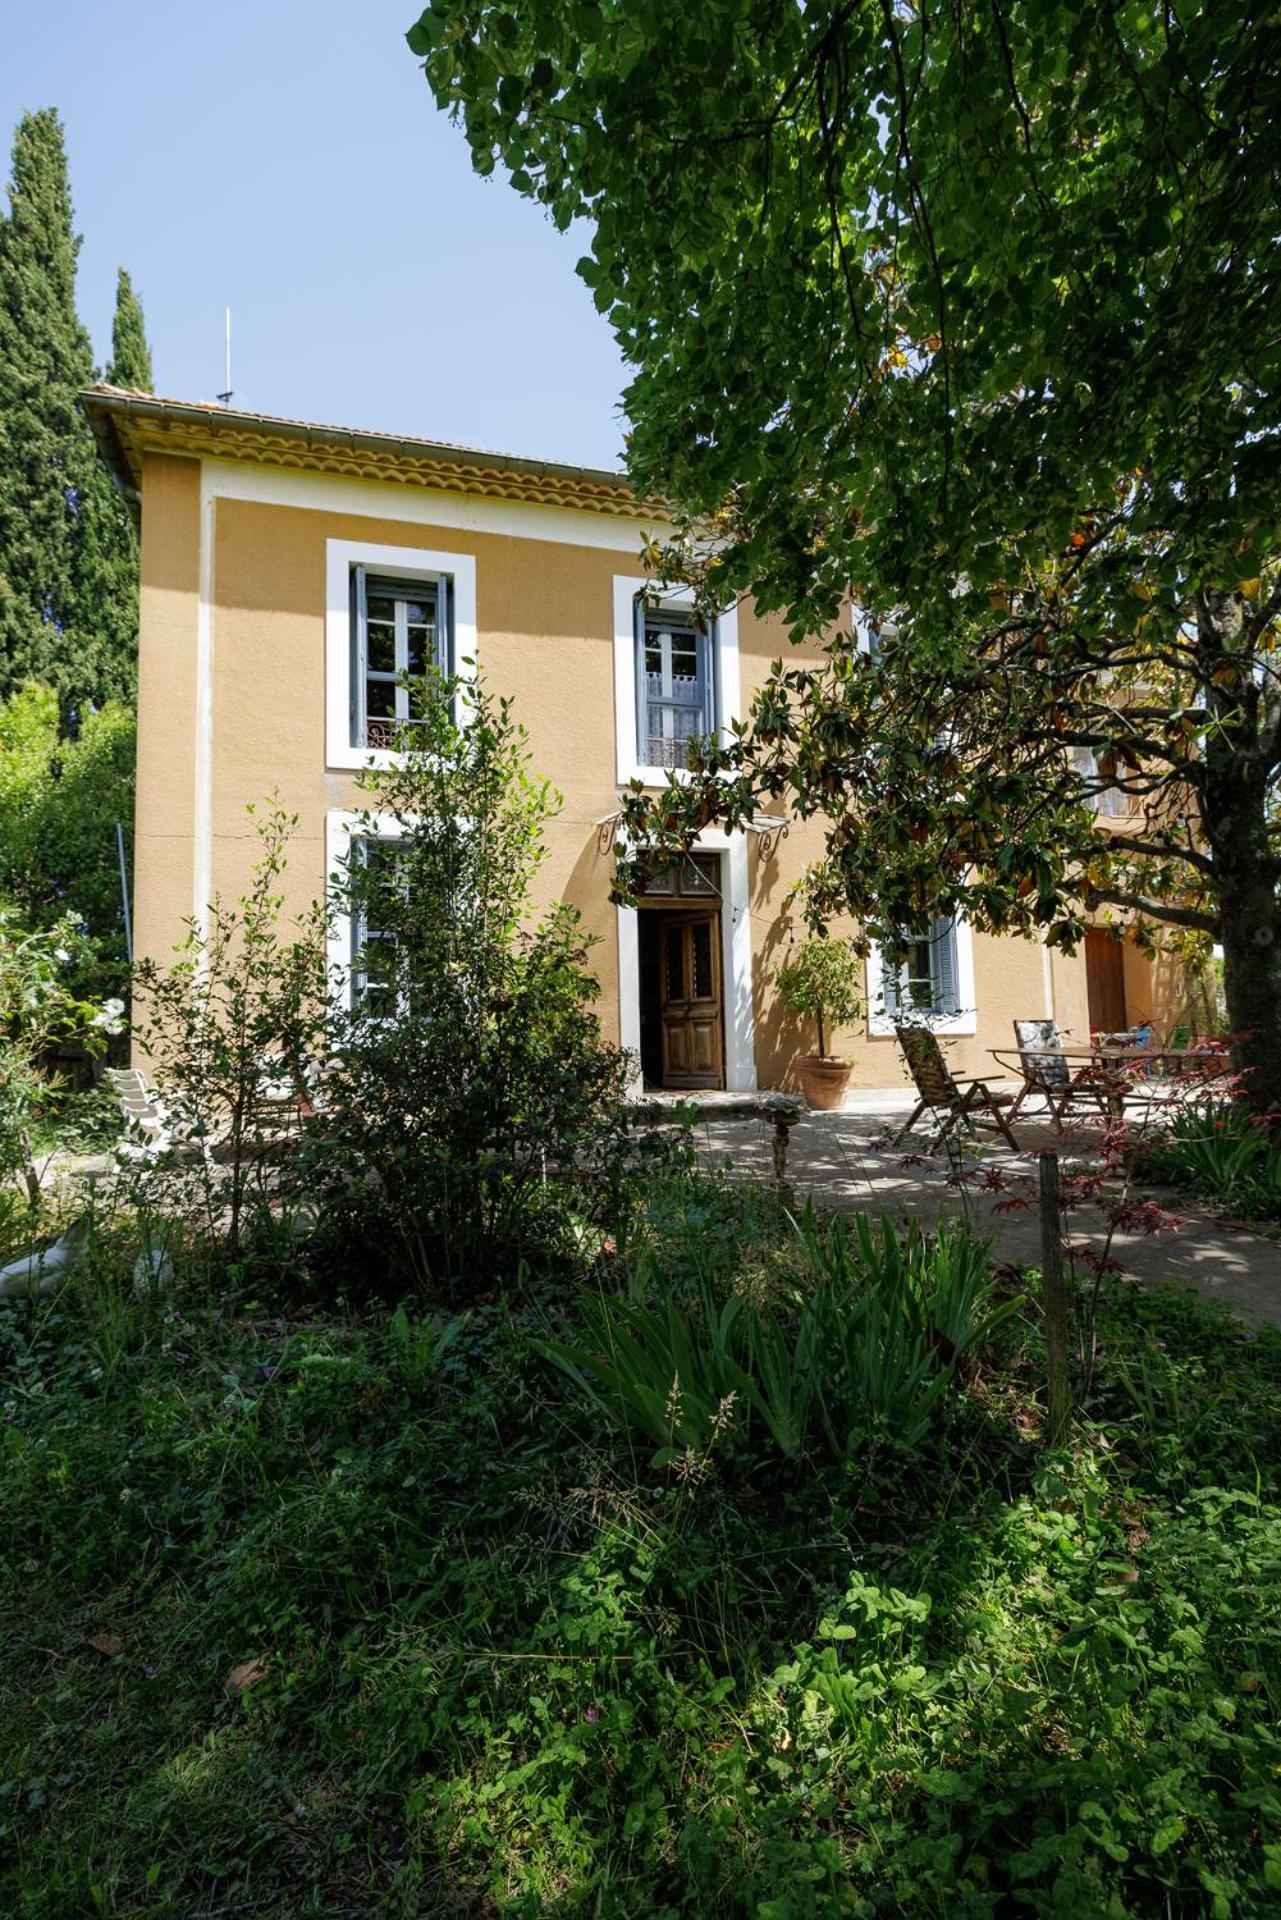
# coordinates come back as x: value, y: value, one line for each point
x: 320, y: 1612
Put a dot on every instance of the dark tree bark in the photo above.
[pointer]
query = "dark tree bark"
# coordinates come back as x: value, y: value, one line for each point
x: 1234, y: 807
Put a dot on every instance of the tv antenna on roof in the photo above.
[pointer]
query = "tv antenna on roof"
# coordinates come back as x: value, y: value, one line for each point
x: 225, y: 396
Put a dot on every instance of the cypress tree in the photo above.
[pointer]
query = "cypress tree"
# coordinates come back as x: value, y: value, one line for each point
x: 68, y: 567
x: 130, y: 354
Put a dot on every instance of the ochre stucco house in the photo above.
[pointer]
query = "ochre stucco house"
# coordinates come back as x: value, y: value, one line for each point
x: 289, y: 571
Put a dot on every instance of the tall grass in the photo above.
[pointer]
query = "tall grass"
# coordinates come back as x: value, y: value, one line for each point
x: 855, y: 1355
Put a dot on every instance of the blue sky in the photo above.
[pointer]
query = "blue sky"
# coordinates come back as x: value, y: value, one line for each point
x: 285, y: 158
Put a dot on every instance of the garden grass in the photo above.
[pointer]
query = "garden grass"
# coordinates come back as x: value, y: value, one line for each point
x: 305, y: 1611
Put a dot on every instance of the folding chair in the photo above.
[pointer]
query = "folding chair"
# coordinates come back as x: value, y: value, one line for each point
x: 959, y: 1101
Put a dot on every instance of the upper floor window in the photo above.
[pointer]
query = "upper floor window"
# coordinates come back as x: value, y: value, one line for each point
x: 675, y: 691
x: 926, y: 981
x: 400, y: 628
x: 675, y: 677
x: 1113, y: 801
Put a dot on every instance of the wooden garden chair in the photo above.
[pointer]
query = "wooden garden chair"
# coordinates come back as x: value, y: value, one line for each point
x: 955, y: 1102
x: 1048, y: 1071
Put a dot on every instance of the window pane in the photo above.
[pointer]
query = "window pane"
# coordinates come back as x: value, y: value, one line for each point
x: 422, y: 649
x: 661, y: 880
x: 380, y: 606
x: 702, y: 961
x: 684, y: 657
x: 421, y: 610
x: 380, y: 647
x: 373, y: 947
x: 698, y: 875
x: 674, y: 969
x: 916, y: 978
x: 380, y: 699
x: 378, y: 959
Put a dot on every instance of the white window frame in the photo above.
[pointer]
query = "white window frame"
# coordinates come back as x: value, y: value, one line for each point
x: 880, y: 1024
x: 389, y: 563
x: 723, y: 666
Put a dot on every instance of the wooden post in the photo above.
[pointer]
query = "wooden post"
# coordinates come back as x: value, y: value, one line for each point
x: 782, y: 1130
x: 1054, y: 1300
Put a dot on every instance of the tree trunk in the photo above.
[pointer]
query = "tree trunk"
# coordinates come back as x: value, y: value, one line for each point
x: 1252, y: 981
x: 1234, y: 811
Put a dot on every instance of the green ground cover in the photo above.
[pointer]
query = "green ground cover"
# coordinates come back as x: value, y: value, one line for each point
x: 323, y: 1611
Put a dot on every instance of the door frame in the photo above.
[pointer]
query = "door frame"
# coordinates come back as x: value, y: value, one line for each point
x: 738, y: 1014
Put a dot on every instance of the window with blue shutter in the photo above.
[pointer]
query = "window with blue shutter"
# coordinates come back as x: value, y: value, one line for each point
x: 925, y: 983
x: 943, y: 966
x: 674, y: 685
x: 400, y: 629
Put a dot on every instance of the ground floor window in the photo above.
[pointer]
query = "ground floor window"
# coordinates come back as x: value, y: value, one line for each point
x: 375, y: 863
x: 926, y: 981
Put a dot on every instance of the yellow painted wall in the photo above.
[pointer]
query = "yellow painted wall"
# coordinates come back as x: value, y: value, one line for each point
x: 164, y: 809
x: 545, y: 636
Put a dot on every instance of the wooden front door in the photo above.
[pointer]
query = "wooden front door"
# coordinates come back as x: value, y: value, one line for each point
x: 690, y: 1001
x: 1105, y: 981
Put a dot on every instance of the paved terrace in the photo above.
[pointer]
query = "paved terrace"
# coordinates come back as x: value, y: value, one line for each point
x: 846, y: 1160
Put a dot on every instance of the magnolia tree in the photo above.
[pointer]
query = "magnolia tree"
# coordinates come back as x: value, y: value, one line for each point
x: 972, y: 314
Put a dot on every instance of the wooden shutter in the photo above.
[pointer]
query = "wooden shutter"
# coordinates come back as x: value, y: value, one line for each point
x: 356, y: 691
x: 943, y: 965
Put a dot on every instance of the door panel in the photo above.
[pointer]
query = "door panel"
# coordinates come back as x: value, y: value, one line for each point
x: 691, y: 1002
x: 1105, y: 982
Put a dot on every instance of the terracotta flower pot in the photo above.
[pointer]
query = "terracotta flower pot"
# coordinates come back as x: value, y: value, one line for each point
x: 823, y: 1079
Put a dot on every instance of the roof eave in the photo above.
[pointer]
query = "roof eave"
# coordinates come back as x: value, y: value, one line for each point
x: 124, y: 421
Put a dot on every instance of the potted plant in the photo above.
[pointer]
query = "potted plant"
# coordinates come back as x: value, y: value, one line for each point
x: 822, y: 980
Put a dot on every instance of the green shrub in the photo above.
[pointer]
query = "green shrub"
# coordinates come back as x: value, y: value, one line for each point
x: 856, y: 1360
x: 380, y: 1614
x: 231, y: 1030
x: 1222, y: 1151
x: 470, y: 1101
x: 38, y: 1008
x: 60, y: 800
x: 823, y: 980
